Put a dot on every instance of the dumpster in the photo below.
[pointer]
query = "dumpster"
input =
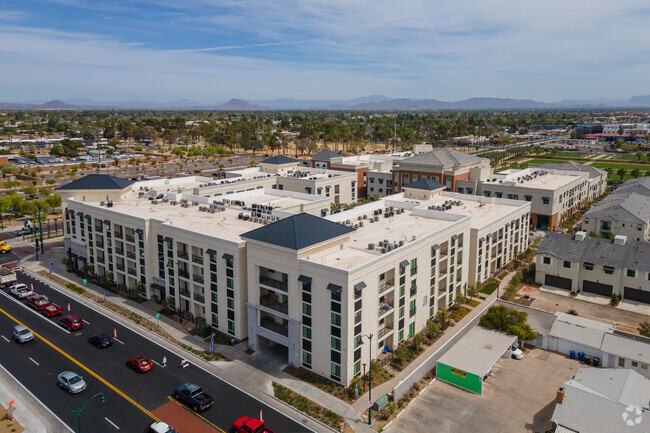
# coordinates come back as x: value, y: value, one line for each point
x: 588, y: 359
x: 596, y: 361
x: 581, y: 356
x: 572, y: 354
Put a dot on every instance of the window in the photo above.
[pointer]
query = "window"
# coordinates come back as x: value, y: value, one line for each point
x: 306, y: 359
x: 306, y: 309
x: 411, y: 330
x: 231, y: 304
x: 357, y: 367
x: 621, y: 362
x: 335, y: 343
x: 231, y: 326
x: 547, y: 260
x: 414, y: 266
x: 588, y: 266
x: 336, y: 319
x: 635, y: 364
x: 412, y: 308
x: 609, y: 270
x: 336, y: 370
x: 631, y: 273
x: 545, y: 200
x: 567, y: 264
x: 306, y: 332
x: 528, y: 197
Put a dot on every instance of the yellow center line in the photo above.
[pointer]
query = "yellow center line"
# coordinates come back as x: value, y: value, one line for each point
x: 194, y: 413
x: 95, y: 375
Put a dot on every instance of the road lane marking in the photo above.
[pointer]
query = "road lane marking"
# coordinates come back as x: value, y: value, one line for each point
x: 32, y: 359
x: 119, y: 341
x: 86, y: 322
x: 157, y: 364
x: 194, y: 413
x: 91, y: 372
x: 111, y: 423
x: 34, y: 312
x: 5, y: 339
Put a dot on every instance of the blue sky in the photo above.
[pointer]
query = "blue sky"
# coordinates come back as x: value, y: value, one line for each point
x: 213, y: 50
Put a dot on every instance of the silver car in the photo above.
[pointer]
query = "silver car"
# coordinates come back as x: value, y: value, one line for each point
x: 20, y: 291
x: 22, y: 334
x: 71, y: 382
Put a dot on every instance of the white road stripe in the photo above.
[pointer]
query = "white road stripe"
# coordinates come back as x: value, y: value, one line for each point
x: 111, y: 423
x: 86, y: 322
x: 157, y: 364
x: 5, y: 339
x: 31, y: 359
x: 119, y: 341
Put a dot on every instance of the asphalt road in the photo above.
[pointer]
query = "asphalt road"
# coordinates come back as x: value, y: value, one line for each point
x: 132, y: 397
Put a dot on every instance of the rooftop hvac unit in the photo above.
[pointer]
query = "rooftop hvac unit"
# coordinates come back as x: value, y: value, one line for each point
x: 383, y: 250
x: 360, y: 223
x: 401, y: 243
x: 365, y: 217
x: 102, y: 203
x: 371, y: 246
x: 376, y: 218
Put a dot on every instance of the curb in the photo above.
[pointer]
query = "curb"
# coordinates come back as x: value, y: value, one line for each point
x: 302, y: 413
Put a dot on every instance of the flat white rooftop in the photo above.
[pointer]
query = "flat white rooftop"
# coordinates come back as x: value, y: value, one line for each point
x: 532, y: 178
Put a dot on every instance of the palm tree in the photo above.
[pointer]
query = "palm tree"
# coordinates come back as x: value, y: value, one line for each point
x: 621, y: 172
x: 610, y: 171
x: 636, y: 173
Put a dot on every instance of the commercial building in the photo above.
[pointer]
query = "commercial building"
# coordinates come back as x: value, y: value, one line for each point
x: 603, y: 401
x: 263, y: 264
x: 470, y: 360
x: 594, y: 265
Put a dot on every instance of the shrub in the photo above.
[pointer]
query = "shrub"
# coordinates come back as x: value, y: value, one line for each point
x: 572, y: 312
x: 644, y: 329
x: 75, y: 288
x: 615, y: 299
x: 432, y: 330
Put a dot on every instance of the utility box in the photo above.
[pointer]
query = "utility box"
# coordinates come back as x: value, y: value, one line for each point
x: 380, y: 402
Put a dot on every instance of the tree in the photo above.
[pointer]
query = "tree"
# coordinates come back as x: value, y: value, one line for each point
x: 635, y: 173
x: 621, y: 172
x: 502, y: 318
x: 442, y: 317
x: 644, y: 329
x: 639, y: 155
x: 555, y: 151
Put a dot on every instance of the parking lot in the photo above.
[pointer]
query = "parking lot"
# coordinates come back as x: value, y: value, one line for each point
x: 518, y: 396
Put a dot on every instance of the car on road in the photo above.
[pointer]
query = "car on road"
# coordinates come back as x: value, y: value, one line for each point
x: 22, y: 334
x: 5, y: 247
x: 193, y: 396
x: 37, y: 301
x: 161, y: 427
x: 71, y: 382
x: 101, y: 341
x: 20, y: 291
x: 51, y: 310
x: 72, y: 322
x: 250, y: 425
x: 141, y: 364
x: 25, y: 231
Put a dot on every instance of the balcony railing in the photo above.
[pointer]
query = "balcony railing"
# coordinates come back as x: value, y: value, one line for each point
x: 383, y: 331
x: 132, y: 271
x: 197, y: 259
x: 119, y: 235
x: 198, y: 279
x: 385, y: 308
x: 119, y: 252
x: 98, y: 228
x: 282, y: 307
x: 129, y: 238
x: 120, y: 267
x: 272, y: 325
x: 101, y: 259
x: 185, y: 292
x: 280, y: 285
x: 386, y: 285
x: 199, y: 298
x: 99, y: 244
x: 131, y: 255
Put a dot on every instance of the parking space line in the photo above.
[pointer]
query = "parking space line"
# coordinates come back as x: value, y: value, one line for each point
x: 157, y: 364
x: 86, y: 322
x: 32, y: 359
x: 194, y: 413
x: 35, y: 312
x: 111, y: 423
x: 5, y: 339
x: 119, y: 341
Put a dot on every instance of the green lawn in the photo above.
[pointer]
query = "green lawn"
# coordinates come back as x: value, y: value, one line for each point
x: 489, y: 288
x: 615, y: 166
x: 631, y: 158
x: 571, y: 155
x: 538, y: 161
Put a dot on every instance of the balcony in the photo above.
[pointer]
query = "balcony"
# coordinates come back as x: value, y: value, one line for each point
x: 129, y: 238
x: 98, y: 228
x: 197, y: 259
x: 198, y: 278
x: 131, y: 255
x: 99, y: 244
x: 101, y: 260
x: 119, y: 235
x: 270, y: 282
x: 385, y: 286
x: 442, y: 272
x: 132, y: 271
x: 384, y: 331
x: 272, y: 325
x: 119, y: 252
x: 183, y: 255
x: 184, y: 292
x: 274, y: 301
x: 442, y: 254
x: 120, y: 267
x: 199, y: 298
x: 184, y: 274
x: 385, y: 308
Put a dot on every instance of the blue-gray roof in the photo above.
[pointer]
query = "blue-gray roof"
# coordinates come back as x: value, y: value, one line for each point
x: 425, y: 184
x: 298, y: 231
x: 98, y: 181
x: 279, y: 159
x: 326, y: 154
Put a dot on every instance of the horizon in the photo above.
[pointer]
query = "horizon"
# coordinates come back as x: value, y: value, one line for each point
x: 210, y: 51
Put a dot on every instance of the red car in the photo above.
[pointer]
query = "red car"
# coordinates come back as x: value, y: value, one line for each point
x: 51, y: 310
x: 250, y: 425
x: 72, y: 322
x: 140, y: 364
x: 37, y: 302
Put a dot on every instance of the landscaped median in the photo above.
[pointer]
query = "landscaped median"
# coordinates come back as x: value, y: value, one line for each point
x: 130, y: 315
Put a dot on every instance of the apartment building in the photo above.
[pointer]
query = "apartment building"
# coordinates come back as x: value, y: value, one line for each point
x: 597, y: 177
x: 625, y: 213
x: 594, y: 265
x: 262, y: 264
x: 554, y: 194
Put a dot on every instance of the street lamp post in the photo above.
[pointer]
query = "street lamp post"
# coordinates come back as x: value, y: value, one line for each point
x: 78, y: 410
x: 360, y: 341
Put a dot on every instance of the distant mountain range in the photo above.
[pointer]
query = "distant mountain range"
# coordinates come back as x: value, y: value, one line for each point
x: 368, y: 103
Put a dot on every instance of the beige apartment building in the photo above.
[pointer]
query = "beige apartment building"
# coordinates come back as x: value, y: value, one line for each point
x: 263, y: 264
x: 594, y: 265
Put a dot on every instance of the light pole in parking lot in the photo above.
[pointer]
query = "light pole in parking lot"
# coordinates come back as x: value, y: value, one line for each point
x: 78, y: 410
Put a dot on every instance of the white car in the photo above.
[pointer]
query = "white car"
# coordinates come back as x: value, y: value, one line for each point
x: 20, y: 291
x: 516, y: 353
x: 161, y: 427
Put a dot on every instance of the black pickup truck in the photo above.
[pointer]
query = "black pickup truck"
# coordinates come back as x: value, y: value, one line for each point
x: 193, y: 396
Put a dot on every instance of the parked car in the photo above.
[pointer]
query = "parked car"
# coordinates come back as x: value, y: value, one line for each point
x: 514, y: 352
x: 22, y: 334
x: 140, y: 364
x: 250, y: 425
x: 101, y: 341
x: 161, y: 427
x: 193, y: 396
x: 25, y: 231
x: 71, y: 382
x: 51, y: 310
x: 37, y: 301
x: 134, y: 179
x: 72, y: 322
x: 5, y: 247
x: 20, y: 291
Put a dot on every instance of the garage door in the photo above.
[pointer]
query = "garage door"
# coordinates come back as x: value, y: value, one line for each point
x: 597, y: 288
x: 636, y: 295
x: 555, y: 281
